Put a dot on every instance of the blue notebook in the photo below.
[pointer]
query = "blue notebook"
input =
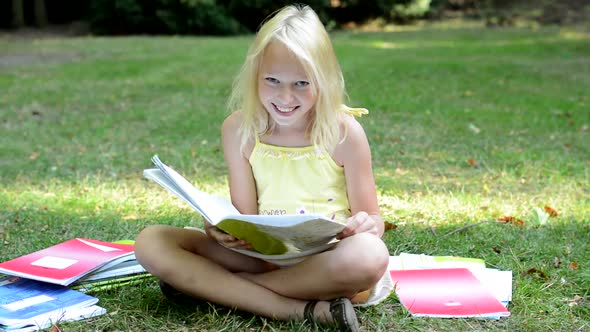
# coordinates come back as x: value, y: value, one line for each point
x: 25, y: 302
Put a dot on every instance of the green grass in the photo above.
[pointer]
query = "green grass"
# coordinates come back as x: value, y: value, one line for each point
x: 80, y: 119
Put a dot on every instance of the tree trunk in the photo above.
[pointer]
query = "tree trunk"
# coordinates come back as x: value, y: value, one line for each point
x: 40, y: 13
x: 18, y: 13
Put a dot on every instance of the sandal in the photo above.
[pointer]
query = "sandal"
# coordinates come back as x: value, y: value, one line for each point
x: 342, y: 313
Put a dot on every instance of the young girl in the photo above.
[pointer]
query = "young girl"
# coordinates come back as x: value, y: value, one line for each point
x: 291, y: 146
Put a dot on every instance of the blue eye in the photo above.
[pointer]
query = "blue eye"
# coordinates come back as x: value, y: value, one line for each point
x: 301, y: 84
x: 272, y: 80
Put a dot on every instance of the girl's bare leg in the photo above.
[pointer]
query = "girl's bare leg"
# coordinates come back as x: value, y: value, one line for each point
x: 354, y: 265
x: 194, y: 264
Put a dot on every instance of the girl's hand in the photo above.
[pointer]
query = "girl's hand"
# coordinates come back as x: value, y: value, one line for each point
x: 225, y: 239
x: 359, y: 223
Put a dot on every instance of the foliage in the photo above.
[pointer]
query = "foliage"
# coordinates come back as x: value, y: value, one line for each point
x: 509, y: 13
x: 198, y: 17
x: 187, y: 16
x: 410, y: 10
x: 250, y: 13
x: 388, y: 10
x: 225, y: 17
x: 219, y: 17
x: 161, y: 17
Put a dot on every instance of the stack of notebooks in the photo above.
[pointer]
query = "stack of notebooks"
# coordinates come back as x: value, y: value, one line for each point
x: 450, y: 287
x: 52, y: 285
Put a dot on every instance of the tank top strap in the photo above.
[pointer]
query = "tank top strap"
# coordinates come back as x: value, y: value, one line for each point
x: 256, y: 147
x: 356, y: 111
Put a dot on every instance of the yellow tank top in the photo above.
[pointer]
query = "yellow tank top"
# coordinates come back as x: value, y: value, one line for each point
x: 298, y: 180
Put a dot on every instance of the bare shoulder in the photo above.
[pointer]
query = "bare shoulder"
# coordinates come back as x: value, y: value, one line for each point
x: 231, y: 137
x: 353, y: 130
x: 231, y: 124
x: 354, y: 141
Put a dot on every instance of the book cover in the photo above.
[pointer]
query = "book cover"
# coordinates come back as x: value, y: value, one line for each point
x: 445, y: 293
x: 499, y: 283
x: 26, y: 303
x: 67, y: 316
x: 68, y: 261
x: 268, y: 234
x: 421, y: 261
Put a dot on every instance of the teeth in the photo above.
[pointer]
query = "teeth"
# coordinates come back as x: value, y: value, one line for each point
x: 285, y: 109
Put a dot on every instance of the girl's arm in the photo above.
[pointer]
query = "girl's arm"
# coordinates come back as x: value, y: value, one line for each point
x: 241, y: 180
x: 242, y: 186
x: 354, y: 154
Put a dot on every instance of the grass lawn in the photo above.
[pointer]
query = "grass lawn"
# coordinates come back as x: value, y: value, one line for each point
x: 466, y: 125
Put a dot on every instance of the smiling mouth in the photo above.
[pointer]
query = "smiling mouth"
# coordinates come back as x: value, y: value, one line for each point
x: 284, y: 109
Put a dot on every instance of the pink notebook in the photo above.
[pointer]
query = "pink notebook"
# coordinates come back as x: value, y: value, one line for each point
x: 445, y: 293
x: 68, y: 261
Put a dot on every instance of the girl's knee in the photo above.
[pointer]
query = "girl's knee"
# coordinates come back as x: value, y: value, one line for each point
x: 145, y: 239
x: 370, y: 250
x: 157, y: 245
x: 149, y: 246
x: 363, y: 260
x: 373, y: 259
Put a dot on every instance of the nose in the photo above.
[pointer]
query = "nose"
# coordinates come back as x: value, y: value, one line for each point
x: 286, y: 96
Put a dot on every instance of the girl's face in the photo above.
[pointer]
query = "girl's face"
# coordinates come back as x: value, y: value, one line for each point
x: 284, y: 88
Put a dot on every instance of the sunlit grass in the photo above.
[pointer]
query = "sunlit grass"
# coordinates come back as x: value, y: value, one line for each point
x: 466, y: 125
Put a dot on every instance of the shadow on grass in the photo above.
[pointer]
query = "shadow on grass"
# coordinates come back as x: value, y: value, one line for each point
x: 547, y: 261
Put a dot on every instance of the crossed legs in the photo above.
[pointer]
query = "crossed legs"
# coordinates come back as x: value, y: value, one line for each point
x: 196, y: 265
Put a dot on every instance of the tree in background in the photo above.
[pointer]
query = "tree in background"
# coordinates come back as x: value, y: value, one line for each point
x: 18, y: 13
x: 508, y: 12
x: 225, y: 17
x: 40, y: 13
x: 161, y: 17
x: 250, y: 13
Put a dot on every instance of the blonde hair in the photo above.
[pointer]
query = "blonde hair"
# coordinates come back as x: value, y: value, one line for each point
x: 302, y: 32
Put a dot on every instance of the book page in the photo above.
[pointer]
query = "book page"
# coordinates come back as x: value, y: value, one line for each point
x: 213, y: 208
x: 498, y: 282
x: 296, y: 232
x: 158, y: 176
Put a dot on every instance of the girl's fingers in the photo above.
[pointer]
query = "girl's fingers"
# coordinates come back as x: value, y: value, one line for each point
x: 359, y: 223
x: 237, y: 244
x: 228, y: 240
x: 220, y: 236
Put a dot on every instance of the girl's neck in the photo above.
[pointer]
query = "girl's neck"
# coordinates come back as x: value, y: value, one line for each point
x: 294, y: 135
x: 287, y: 136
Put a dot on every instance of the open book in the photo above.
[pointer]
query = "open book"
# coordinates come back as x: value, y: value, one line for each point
x: 273, y: 237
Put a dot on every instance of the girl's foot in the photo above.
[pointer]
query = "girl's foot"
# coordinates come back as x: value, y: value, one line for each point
x: 341, y: 311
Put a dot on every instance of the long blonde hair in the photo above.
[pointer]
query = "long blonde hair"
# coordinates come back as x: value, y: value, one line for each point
x: 302, y: 32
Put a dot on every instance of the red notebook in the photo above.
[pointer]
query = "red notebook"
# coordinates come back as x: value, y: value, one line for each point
x: 445, y: 293
x: 68, y: 261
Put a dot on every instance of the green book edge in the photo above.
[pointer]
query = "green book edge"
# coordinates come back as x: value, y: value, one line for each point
x: 260, y: 241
